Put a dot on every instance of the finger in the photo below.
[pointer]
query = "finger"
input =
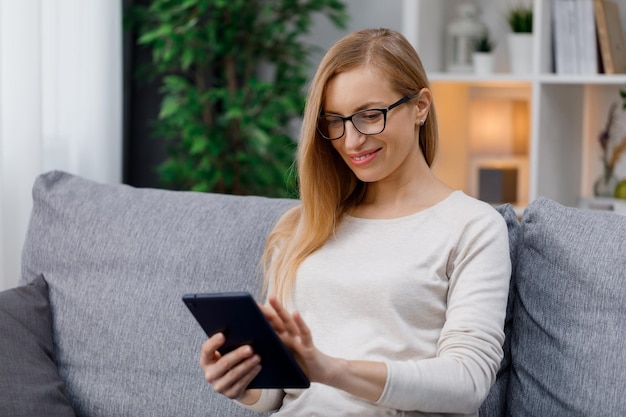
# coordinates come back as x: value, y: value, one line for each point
x: 273, y: 318
x: 284, y: 315
x: 236, y: 381
x: 305, y: 332
x: 213, y: 372
x: 208, y: 352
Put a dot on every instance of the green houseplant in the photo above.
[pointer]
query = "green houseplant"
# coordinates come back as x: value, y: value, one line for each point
x: 520, y: 19
x: 482, y: 56
x: 232, y: 76
x: 483, y: 43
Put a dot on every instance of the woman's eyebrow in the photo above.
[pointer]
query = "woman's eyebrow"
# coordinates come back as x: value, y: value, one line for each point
x: 364, y: 106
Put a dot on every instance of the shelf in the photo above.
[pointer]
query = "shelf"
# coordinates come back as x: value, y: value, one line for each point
x: 604, y: 204
x: 599, y: 79
x: 566, y: 113
x: 506, y: 78
x: 491, y: 79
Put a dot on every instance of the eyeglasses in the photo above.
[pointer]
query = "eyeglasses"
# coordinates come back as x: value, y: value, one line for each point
x: 367, y: 122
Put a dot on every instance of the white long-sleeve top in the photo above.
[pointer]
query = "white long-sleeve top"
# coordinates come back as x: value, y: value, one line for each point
x: 425, y: 294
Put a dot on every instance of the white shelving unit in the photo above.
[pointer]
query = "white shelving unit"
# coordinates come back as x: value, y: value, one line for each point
x: 566, y: 113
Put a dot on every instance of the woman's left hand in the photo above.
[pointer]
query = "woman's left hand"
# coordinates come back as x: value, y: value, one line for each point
x: 295, y: 334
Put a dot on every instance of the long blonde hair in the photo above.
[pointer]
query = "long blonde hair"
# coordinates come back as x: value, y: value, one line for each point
x: 328, y: 188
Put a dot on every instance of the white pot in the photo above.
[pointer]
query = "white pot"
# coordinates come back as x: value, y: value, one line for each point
x: 483, y: 62
x: 521, y: 52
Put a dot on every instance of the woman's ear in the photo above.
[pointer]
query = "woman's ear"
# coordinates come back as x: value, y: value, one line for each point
x: 424, y: 99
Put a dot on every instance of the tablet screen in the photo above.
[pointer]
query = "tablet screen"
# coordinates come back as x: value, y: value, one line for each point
x: 238, y: 317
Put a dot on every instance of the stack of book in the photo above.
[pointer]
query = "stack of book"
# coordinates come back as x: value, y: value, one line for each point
x: 588, y: 37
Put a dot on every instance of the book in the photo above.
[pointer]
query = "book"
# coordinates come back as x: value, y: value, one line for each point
x: 574, y: 36
x: 610, y: 36
x: 564, y: 35
x: 587, y: 51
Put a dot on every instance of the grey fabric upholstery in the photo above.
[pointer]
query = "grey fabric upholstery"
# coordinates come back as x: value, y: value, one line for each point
x: 117, y: 260
x: 495, y: 404
x: 30, y: 384
x: 568, y: 334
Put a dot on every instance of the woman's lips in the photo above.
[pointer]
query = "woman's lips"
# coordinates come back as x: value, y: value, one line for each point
x: 363, y: 158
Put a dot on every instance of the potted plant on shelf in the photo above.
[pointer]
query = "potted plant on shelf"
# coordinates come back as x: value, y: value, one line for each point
x: 232, y: 78
x: 520, y: 19
x: 482, y: 57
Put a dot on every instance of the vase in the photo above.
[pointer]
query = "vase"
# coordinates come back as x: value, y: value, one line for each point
x: 521, y: 52
x: 483, y: 62
x: 606, y: 184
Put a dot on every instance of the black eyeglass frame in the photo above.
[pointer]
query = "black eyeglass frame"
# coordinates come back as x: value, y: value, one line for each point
x: 384, y: 111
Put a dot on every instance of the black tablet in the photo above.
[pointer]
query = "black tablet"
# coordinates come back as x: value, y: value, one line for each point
x: 239, y: 318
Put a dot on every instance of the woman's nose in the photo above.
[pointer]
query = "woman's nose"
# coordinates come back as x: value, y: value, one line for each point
x: 353, y: 137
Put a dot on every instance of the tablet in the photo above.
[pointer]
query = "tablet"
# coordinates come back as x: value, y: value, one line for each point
x: 239, y: 318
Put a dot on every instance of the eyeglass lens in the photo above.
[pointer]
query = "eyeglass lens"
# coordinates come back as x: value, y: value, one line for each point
x: 367, y: 122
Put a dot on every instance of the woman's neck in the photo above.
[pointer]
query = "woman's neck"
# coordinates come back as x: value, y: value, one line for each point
x: 400, y: 198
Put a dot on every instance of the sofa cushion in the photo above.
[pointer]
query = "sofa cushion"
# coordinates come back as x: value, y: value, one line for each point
x: 29, y: 382
x: 118, y: 260
x: 494, y: 405
x: 569, y: 325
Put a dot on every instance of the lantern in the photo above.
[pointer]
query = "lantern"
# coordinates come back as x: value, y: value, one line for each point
x: 460, y: 37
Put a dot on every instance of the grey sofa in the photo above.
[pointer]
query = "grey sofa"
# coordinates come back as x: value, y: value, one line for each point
x: 97, y: 326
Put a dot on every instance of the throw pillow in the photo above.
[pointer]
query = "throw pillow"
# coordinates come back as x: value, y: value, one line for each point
x: 118, y: 260
x: 29, y: 382
x: 568, y: 333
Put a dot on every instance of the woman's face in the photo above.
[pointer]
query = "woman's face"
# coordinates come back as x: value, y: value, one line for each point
x: 390, y: 155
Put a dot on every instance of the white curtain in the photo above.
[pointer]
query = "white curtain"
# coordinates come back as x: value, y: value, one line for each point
x: 60, y: 104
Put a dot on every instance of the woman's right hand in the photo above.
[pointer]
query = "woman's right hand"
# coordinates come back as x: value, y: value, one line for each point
x: 231, y: 373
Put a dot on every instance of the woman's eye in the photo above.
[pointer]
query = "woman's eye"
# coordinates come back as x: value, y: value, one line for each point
x: 371, y: 116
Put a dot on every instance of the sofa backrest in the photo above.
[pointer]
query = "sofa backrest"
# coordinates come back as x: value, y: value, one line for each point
x: 117, y: 261
x: 569, y: 313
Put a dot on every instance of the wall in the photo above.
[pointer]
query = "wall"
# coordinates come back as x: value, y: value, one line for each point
x: 363, y: 14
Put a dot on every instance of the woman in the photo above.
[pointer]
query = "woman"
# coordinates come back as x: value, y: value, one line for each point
x: 394, y: 286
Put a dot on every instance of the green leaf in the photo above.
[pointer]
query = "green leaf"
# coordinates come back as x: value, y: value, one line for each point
x: 234, y: 113
x: 186, y: 59
x: 174, y: 83
x: 169, y: 106
x: 161, y: 32
x: 198, y: 146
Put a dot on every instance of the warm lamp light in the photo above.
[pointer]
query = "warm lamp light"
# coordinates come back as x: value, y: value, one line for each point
x: 498, y: 134
x: 490, y: 127
x: 498, y: 127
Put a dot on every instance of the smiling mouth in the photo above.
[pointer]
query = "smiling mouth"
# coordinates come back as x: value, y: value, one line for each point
x: 364, y: 156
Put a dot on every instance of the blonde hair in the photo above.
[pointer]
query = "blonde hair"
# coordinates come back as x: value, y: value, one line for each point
x: 328, y: 188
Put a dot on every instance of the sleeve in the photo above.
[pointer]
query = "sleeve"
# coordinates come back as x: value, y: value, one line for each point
x: 469, y: 349
x: 270, y: 400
